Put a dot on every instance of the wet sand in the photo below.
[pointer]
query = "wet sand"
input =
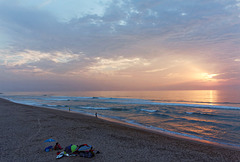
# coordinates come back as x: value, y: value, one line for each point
x: 25, y: 128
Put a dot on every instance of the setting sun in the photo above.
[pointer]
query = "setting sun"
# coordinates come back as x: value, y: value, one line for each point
x: 210, y: 77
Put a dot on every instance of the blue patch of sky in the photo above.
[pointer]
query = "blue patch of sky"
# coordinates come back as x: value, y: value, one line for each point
x: 66, y: 10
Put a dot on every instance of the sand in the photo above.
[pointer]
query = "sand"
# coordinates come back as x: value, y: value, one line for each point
x: 24, y: 129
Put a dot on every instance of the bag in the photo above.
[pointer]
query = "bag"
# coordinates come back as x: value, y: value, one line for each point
x: 85, y: 151
x: 84, y: 147
x: 68, y: 149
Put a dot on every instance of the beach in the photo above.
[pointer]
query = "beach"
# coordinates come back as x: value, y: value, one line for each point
x: 25, y: 128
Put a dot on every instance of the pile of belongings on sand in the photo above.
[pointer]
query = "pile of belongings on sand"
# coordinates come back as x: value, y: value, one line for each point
x: 83, y: 150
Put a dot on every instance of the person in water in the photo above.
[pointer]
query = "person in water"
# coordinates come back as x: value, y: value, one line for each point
x: 57, y: 147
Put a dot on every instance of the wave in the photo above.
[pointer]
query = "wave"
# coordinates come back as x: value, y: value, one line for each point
x: 221, y: 103
x: 57, y: 106
x: 96, y: 108
x: 36, y: 99
x: 149, y: 110
x: 201, y: 102
x: 183, y: 134
x: 197, y: 106
x: 64, y: 98
x: 104, y: 108
x: 33, y: 103
x: 149, y: 102
x: 162, y: 130
x: 196, y: 113
x: 87, y: 107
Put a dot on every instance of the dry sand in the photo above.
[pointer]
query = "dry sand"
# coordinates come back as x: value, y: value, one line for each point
x: 24, y: 129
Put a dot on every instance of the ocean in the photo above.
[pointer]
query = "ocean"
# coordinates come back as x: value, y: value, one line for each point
x: 207, y: 115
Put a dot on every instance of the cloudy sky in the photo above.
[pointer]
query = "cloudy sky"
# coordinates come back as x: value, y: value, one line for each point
x: 65, y: 45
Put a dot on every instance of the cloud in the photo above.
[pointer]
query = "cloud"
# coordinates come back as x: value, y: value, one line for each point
x: 112, y: 65
x: 122, y: 26
x: 40, y: 63
x: 125, y: 37
x: 155, y: 70
x: 29, y: 56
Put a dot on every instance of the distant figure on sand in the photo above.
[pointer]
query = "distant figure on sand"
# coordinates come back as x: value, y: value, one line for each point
x: 69, y: 109
x: 96, y: 115
x: 57, y: 147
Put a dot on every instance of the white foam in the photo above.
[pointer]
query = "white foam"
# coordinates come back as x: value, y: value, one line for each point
x: 149, y: 110
x: 96, y: 108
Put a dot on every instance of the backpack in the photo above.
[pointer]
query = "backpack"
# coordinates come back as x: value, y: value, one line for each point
x: 85, y: 151
x: 68, y: 149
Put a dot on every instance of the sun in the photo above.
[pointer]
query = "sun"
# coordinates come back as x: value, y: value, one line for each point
x: 208, y: 77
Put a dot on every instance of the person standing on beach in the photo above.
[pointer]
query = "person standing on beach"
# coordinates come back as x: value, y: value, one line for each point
x: 96, y: 115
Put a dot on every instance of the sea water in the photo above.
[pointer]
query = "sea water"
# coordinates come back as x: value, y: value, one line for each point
x: 207, y: 115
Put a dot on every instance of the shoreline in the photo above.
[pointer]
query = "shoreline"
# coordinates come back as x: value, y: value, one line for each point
x: 135, y: 143
x: 163, y: 133
x: 144, y: 128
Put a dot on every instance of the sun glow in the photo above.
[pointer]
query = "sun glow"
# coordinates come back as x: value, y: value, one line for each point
x: 207, y: 76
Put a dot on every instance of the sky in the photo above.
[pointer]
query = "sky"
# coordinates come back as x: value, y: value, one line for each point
x: 66, y: 45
